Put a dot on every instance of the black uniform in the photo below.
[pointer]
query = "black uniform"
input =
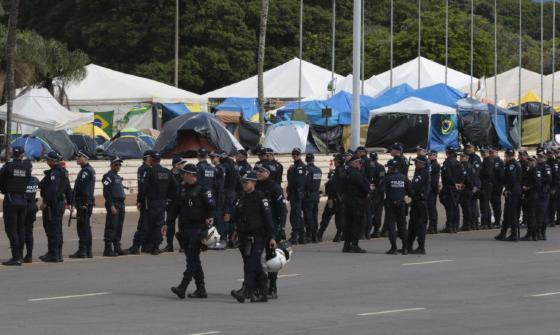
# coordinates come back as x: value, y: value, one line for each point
x: 512, y: 191
x: 277, y: 171
x: 206, y: 174
x: 419, y: 190
x: 30, y: 216
x: 402, y: 165
x: 396, y: 188
x: 451, y: 174
x: 554, y: 190
x: 497, y: 189
x: 254, y: 227
x: 311, y: 199
x: 84, y: 202
x: 55, y: 189
x: 476, y: 163
x: 219, y: 198
x: 335, y: 206
x: 471, y: 184
x: 14, y: 178
x: 172, y: 214
x: 543, y: 197
x: 355, y: 200
x: 296, y: 185
x: 231, y: 180
x: 435, y: 172
x: 113, y: 193
x: 242, y: 168
x: 159, y: 186
x: 143, y: 224
x: 486, y: 189
x: 531, y: 183
x: 376, y: 197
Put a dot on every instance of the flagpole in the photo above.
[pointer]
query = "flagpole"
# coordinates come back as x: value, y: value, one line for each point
x: 391, y: 47
x: 552, y: 130
x: 495, y: 62
x: 472, y: 44
x: 176, y: 72
x: 356, y: 61
x: 363, y: 60
x: 520, y: 115
x: 419, y: 37
x: 447, y: 39
x: 300, y: 50
x: 542, y: 72
x: 333, y: 47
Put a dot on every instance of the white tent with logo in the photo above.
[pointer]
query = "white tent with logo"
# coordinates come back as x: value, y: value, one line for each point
x: 282, y: 82
x: 37, y: 108
x: 431, y: 73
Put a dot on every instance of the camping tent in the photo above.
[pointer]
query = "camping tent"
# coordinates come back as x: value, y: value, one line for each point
x: 126, y: 147
x: 84, y: 143
x: 430, y: 73
x: 312, y: 109
x: 186, y: 134
x: 282, y: 82
x: 57, y: 140
x: 341, y: 104
x: 35, y: 148
x: 391, y: 96
x: 91, y: 130
x: 508, y: 85
x: 38, y: 108
x: 248, y: 133
x: 246, y: 106
x: 413, y: 122
x: 440, y: 94
x: 283, y: 137
x: 372, y: 87
x: 531, y: 122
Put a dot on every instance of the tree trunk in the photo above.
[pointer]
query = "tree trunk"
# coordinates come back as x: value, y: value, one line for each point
x: 10, y: 70
x: 260, y: 59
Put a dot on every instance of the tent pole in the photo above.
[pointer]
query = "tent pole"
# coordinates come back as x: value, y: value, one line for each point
x: 363, y: 43
x: 472, y: 44
x: 542, y: 74
x: 333, y: 47
x: 355, y: 140
x: 391, y: 48
x: 553, y: 67
x: 419, y: 37
x: 520, y: 116
x: 446, y: 38
x: 176, y: 43
x: 496, y: 60
x: 300, y: 49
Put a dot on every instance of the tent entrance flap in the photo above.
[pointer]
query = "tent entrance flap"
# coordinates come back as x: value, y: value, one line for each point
x: 409, y: 129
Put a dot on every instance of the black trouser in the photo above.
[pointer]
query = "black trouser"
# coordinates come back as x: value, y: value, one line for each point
x: 529, y: 205
x: 511, y: 213
x: 395, y: 221
x: 417, y: 223
x: 354, y: 218
x: 485, y: 211
x: 192, y: 245
x: 432, y: 210
x: 272, y: 279
x: 296, y: 220
x: 449, y: 197
x: 254, y: 276
x: 328, y: 213
x: 52, y: 222
x: 310, y: 216
x: 377, y: 210
x: 542, y: 212
x: 553, y: 208
x: 83, y: 225
x: 153, y: 220
x: 14, y: 224
x: 229, y: 206
x: 466, y: 205
x: 142, y: 237
x: 219, y: 213
x: 171, y: 221
x: 496, y: 202
x: 30, y: 218
x: 114, y: 222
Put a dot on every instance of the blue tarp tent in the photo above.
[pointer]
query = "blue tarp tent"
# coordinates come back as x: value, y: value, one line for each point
x: 341, y: 103
x: 173, y: 110
x: 391, y: 96
x: 440, y: 94
x: 313, y: 111
x: 504, y: 122
x: 246, y: 106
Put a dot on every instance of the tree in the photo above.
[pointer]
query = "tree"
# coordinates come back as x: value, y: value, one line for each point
x: 10, y: 62
x: 260, y: 59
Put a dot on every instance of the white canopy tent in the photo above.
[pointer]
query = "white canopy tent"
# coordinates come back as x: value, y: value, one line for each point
x: 372, y: 87
x: 431, y: 73
x: 39, y: 109
x: 282, y: 82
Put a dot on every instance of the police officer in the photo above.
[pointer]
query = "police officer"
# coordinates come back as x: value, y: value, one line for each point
x: 334, y: 189
x: 396, y: 188
x: 452, y: 181
x: 543, y: 194
x: 275, y: 167
x: 113, y: 193
x: 159, y: 186
x: 311, y: 199
x: 83, y: 203
x: 396, y: 152
x: 531, y: 183
x: 273, y: 192
x: 206, y: 172
x: 468, y: 189
x: 476, y: 163
x: 14, y: 178
x: 218, y: 191
x: 435, y: 172
x: 557, y: 196
x: 512, y: 194
x: 497, y: 187
x: 486, y: 188
x: 55, y: 188
x: 419, y: 188
x: 231, y: 180
x: 378, y: 194
x: 254, y: 227
x: 555, y: 185
x: 177, y: 164
x: 241, y: 163
x: 142, y: 227
x: 367, y: 170
x: 196, y: 213
x: 356, y: 191
x: 296, y: 184
x: 30, y: 216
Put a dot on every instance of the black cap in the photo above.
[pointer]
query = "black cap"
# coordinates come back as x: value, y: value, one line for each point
x: 340, y: 157
x: 215, y: 153
x: 361, y: 148
x: 373, y: 156
x: 153, y: 155
x: 491, y: 149
x: 355, y: 158
x: 177, y: 159
x: 532, y: 158
x: 17, y: 151
x: 242, y: 152
x: 249, y: 176
x: 116, y: 159
x: 189, y: 168
x: 468, y: 144
x: 54, y: 156
x: 80, y: 153
x: 148, y: 153
x: 433, y: 152
x: 541, y: 154
x: 296, y: 151
x: 420, y: 148
x: 392, y: 163
x: 422, y: 159
x: 202, y: 152
x: 349, y: 152
x: 397, y: 146
x: 450, y: 150
x: 523, y: 153
x: 261, y: 167
x: 483, y: 150
x: 510, y: 152
x: 540, y: 150
x: 268, y: 151
x: 309, y: 157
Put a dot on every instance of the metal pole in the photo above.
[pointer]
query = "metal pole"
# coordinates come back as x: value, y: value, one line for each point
x: 419, y: 37
x: 552, y: 130
x: 446, y: 38
x: 356, y: 75
x: 542, y: 72
x: 333, y: 50
x: 472, y: 43
x: 495, y: 61
x: 391, y: 48
x: 363, y: 43
x: 520, y: 116
x: 176, y: 43
x: 300, y: 50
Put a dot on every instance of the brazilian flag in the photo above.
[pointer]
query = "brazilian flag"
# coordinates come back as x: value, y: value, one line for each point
x: 103, y: 120
x: 446, y: 125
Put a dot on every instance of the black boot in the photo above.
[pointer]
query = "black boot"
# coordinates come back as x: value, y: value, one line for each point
x: 89, y: 249
x: 108, y: 251
x: 393, y: 250
x: 118, y: 250
x: 513, y: 237
x: 59, y: 257
x: 320, y: 234
x: 199, y: 293
x: 337, y: 237
x: 48, y: 254
x: 15, y: 260
x: 314, y: 238
x: 355, y: 248
x: 404, y: 249
x: 346, y: 247
x: 501, y: 236
x: 180, y: 289
x: 421, y: 249
x: 29, y: 255
x: 81, y: 253
x: 240, y: 295
x: 168, y: 247
x: 133, y: 250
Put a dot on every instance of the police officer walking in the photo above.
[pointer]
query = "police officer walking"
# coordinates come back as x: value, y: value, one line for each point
x: 55, y: 188
x: 543, y: 194
x: 30, y: 216
x: 531, y: 183
x: 335, y: 204
x: 83, y: 201
x: 396, y: 188
x: 113, y: 193
x: 231, y: 180
x: 311, y: 199
x: 254, y: 227
x: 497, y: 187
x: 435, y: 172
x: 172, y: 212
x: 196, y: 213
x: 512, y: 194
x: 486, y: 188
x: 452, y: 183
x: 14, y: 178
x: 419, y: 188
x: 141, y: 228
x: 296, y: 184
x: 355, y: 199
x: 218, y: 191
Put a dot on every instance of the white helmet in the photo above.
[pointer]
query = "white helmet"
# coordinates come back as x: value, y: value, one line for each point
x: 286, y: 247
x: 274, y: 263
x: 212, y: 237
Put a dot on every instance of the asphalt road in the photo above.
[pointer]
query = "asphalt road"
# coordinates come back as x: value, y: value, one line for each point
x: 466, y: 284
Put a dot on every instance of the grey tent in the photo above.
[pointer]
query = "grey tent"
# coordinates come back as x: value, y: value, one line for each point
x: 59, y: 141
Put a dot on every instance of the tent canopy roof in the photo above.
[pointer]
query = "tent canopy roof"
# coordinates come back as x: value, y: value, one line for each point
x: 372, y: 87
x: 414, y: 105
x: 103, y: 85
x: 508, y: 84
x: 439, y: 93
x: 247, y: 106
x: 38, y: 108
x: 282, y: 82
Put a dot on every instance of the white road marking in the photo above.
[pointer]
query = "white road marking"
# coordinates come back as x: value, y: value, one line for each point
x: 70, y: 296
x: 207, y: 333
x: 289, y: 275
x: 545, y: 294
x: 429, y: 262
x: 548, y: 252
x: 392, y: 311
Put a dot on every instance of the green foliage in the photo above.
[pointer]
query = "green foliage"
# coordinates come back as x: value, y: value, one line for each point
x: 218, y: 38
